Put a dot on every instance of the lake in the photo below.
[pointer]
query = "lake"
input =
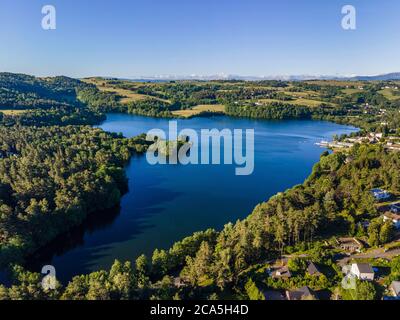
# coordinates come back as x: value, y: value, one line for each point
x: 168, y: 202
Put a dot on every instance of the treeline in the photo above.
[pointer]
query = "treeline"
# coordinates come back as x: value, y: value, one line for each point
x: 274, y: 110
x: 54, y: 116
x: 343, y: 113
x: 151, y: 108
x: 51, y: 178
x: 98, y: 100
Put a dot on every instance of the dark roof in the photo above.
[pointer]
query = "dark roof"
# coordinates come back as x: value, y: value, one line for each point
x: 300, y: 294
x: 274, y: 295
x: 365, y: 268
x: 313, y: 270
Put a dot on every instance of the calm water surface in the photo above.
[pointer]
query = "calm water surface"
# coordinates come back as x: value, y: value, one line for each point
x: 168, y: 202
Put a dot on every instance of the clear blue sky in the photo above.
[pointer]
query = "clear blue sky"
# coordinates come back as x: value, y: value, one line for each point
x: 128, y: 38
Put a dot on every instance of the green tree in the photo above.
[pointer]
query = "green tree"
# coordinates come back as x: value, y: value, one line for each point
x: 297, y: 265
x: 252, y: 291
x: 374, y: 232
x: 365, y: 291
x: 199, y: 267
x: 121, y: 277
x: 142, y: 272
x: 160, y: 262
x: 387, y: 232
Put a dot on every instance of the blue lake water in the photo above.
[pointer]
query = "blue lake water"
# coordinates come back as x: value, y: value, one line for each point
x: 168, y: 202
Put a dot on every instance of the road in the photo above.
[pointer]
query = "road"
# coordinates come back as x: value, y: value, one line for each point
x: 374, y: 253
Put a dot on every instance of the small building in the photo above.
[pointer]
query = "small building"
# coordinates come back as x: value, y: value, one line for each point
x: 363, y: 271
x: 395, y: 218
x: 304, y: 293
x: 312, y: 270
x: 350, y: 245
x: 395, y: 288
x: 282, y: 272
x: 380, y: 194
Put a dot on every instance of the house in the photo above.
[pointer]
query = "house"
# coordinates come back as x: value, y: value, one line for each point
x: 374, y: 136
x: 395, y: 288
x: 312, y: 270
x: 349, y: 244
x: 304, y: 293
x: 282, y: 272
x: 380, y: 194
x: 395, y: 218
x: 274, y: 295
x: 362, y: 271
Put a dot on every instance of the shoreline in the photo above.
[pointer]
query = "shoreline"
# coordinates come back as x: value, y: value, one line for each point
x: 125, y: 168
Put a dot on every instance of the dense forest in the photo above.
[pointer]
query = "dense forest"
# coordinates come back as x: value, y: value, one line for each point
x: 51, y: 178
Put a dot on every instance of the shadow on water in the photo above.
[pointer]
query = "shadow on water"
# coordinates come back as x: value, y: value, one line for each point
x: 72, y: 239
x: 73, y: 252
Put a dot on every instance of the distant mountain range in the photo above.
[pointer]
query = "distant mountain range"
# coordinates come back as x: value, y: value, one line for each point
x: 382, y: 77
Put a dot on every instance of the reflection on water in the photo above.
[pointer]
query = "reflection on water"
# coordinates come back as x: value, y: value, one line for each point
x: 72, y: 239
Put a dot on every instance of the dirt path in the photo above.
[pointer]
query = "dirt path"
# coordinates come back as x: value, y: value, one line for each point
x: 375, y: 253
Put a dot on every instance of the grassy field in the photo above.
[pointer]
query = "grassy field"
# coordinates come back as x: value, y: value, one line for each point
x: 303, y: 94
x: 351, y: 91
x: 13, y: 112
x: 298, y: 101
x: 125, y: 94
x: 199, y: 109
x: 388, y: 94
